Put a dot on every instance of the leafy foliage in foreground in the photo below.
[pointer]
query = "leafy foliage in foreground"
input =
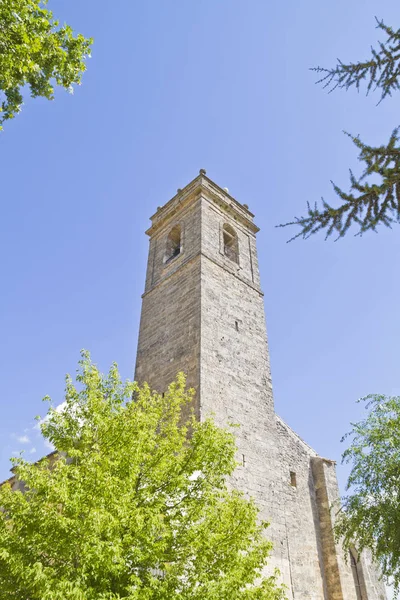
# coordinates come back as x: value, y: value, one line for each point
x: 130, y: 507
x: 374, y: 198
x: 370, y: 517
x: 36, y: 52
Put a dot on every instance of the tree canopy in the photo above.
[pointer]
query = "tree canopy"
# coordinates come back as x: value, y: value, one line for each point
x: 133, y: 503
x: 374, y: 197
x: 36, y: 52
x: 370, y: 517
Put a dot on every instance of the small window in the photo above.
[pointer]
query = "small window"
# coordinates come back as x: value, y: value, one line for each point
x: 293, y: 480
x: 173, y: 248
x: 230, y: 240
x: 357, y: 575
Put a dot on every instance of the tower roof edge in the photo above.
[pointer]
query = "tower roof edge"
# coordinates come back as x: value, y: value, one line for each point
x: 202, y: 183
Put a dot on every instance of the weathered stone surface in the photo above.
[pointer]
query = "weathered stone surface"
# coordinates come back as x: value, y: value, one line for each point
x: 203, y: 314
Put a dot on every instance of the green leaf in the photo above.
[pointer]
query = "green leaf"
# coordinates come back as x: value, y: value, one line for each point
x: 37, y: 53
x: 130, y: 505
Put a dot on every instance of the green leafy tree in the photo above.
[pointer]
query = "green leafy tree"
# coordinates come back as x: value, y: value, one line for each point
x: 131, y: 505
x: 370, y: 517
x: 374, y: 197
x: 35, y: 52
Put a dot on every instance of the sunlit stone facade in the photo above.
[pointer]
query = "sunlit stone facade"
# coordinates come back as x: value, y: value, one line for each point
x: 203, y: 313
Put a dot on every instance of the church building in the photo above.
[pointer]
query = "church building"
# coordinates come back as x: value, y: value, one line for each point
x: 203, y: 314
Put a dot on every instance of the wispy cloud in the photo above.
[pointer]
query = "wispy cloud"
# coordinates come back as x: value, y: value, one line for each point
x: 23, y: 439
x: 32, y: 451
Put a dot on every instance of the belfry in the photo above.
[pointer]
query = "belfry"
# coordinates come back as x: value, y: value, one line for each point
x: 203, y: 314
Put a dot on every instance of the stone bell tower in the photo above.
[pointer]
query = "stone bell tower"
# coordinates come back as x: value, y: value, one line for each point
x: 203, y: 314
x: 202, y: 308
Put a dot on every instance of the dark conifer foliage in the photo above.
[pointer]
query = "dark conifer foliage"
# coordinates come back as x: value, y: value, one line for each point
x: 381, y: 71
x: 374, y: 197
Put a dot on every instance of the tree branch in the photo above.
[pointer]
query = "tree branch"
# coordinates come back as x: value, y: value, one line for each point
x: 368, y: 204
x: 382, y: 70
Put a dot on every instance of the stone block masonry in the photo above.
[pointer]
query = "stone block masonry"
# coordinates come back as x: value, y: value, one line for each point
x: 203, y: 313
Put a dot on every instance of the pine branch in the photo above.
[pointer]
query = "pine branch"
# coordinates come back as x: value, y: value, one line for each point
x: 382, y: 70
x: 367, y: 204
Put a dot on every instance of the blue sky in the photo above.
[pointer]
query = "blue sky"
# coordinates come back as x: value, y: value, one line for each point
x: 172, y: 88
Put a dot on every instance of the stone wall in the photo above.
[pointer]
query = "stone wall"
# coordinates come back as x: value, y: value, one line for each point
x: 169, y: 333
x: 203, y: 313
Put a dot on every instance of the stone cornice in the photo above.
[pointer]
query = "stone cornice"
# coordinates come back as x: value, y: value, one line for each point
x: 202, y: 186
